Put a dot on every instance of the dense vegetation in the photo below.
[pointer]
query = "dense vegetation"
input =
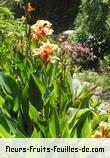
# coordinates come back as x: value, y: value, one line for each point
x: 40, y: 93
x: 56, y: 12
x: 93, y: 26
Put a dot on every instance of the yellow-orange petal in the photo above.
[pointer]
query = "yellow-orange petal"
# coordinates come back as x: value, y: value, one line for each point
x: 103, y: 126
x: 97, y: 134
x: 29, y: 8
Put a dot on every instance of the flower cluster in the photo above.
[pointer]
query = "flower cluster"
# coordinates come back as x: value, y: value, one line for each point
x: 80, y: 54
x: 40, y: 30
x: 46, y: 52
x: 103, y: 131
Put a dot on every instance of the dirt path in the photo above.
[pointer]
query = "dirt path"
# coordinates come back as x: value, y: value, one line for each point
x: 103, y: 95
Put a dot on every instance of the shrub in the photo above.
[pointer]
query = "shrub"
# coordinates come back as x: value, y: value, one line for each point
x: 80, y: 54
x: 105, y: 64
x: 11, y: 31
x: 92, y: 26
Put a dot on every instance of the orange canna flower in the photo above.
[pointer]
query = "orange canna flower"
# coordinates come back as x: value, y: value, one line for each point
x: 41, y: 29
x: 46, y: 53
x: 28, y: 8
x: 97, y: 134
x: 108, y: 135
x: 102, y: 126
x: 103, y: 131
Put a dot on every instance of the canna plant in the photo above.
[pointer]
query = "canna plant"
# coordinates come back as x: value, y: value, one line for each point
x: 40, y: 97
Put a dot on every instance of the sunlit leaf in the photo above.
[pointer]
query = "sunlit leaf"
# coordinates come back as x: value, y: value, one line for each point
x: 86, y: 129
x: 1, y: 101
x: 33, y: 113
x: 8, y: 84
x: 36, y: 134
x: 54, y: 124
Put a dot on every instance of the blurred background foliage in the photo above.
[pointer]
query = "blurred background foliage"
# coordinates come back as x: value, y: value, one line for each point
x: 60, y: 13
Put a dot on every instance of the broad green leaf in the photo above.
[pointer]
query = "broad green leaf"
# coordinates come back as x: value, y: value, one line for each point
x: 54, y: 124
x: 79, y: 113
x: 20, y: 120
x: 51, y: 72
x: 94, y: 122
x: 16, y: 104
x: 7, y: 121
x: 95, y: 102
x: 6, y: 11
x: 54, y: 95
x: 25, y: 96
x: 95, y: 119
x: 36, y: 90
x: 33, y: 113
x: 77, y: 120
x: 36, y: 134
x: 3, y: 121
x: 105, y: 117
x: 86, y: 129
x: 42, y: 126
x: 24, y: 67
x: 19, y: 134
x: 1, y: 101
x: 74, y: 135
x: 83, y: 100
x: 39, y: 84
x: 4, y: 133
x: 65, y: 128
x: 8, y: 84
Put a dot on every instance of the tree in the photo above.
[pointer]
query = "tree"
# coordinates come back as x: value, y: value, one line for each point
x: 92, y: 25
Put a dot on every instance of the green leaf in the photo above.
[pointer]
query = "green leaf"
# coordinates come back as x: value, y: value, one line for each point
x: 25, y: 96
x: 24, y: 67
x: 19, y: 134
x: 8, y: 84
x: 78, y: 120
x: 1, y: 101
x: 39, y: 84
x: 86, y: 129
x: 33, y: 113
x: 65, y: 128
x: 51, y: 72
x: 79, y: 113
x: 16, y: 104
x: 4, y: 133
x: 36, y: 90
x: 6, y: 11
x: 83, y: 100
x: 54, y: 94
x: 42, y: 126
x: 104, y: 117
x: 36, y: 134
x: 12, y: 124
x: 54, y: 124
x: 7, y: 122
x: 20, y: 120
x: 74, y: 135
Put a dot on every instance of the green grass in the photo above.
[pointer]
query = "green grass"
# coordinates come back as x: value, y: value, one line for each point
x: 102, y: 79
